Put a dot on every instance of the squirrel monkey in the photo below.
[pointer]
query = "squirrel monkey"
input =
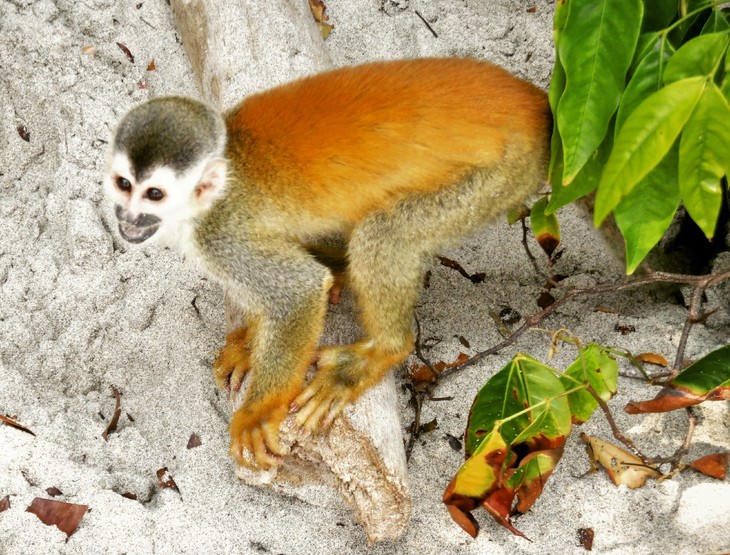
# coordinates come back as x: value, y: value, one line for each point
x: 393, y: 160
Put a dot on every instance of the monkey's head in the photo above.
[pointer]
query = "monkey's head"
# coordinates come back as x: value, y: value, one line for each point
x: 165, y: 166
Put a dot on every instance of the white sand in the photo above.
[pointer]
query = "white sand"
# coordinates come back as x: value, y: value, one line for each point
x: 80, y: 312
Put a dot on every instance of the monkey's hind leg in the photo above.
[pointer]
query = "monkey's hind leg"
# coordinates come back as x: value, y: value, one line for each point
x: 385, y: 271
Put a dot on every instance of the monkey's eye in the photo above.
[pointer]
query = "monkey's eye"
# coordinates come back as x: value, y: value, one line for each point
x: 154, y: 194
x: 123, y: 184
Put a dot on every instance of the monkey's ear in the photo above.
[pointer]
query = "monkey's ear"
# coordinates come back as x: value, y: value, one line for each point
x: 212, y: 182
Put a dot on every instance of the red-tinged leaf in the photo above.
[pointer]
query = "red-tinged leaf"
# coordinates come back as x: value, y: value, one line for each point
x: 112, y: 426
x: 65, y: 516
x: 194, y: 441
x: 4, y: 503
x: 24, y: 133
x: 11, y: 422
x: 621, y: 466
x: 714, y: 466
x: 151, y: 66
x: 53, y: 491
x: 545, y: 227
x: 499, y: 506
x: 652, y: 358
x: 533, y: 472
x: 123, y: 47
x: 707, y: 379
x: 165, y: 480
x: 585, y: 538
x: 130, y: 495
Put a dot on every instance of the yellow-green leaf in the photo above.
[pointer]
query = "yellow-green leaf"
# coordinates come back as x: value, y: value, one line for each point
x: 704, y: 156
x: 645, y: 138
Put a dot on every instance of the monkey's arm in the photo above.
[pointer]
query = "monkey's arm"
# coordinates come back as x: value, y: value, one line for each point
x: 283, y: 292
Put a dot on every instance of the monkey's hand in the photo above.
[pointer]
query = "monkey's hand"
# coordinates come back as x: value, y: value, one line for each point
x: 233, y: 361
x: 255, y: 435
x: 343, y: 374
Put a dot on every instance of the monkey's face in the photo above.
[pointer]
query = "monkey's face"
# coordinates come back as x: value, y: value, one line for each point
x: 158, y: 203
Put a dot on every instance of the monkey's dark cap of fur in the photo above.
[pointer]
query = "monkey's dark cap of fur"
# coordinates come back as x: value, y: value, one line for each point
x: 175, y: 132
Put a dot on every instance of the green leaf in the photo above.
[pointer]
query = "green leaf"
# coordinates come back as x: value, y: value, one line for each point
x: 645, y: 138
x: 658, y: 14
x: 599, y: 369
x: 707, y: 379
x: 707, y: 374
x: 522, y: 383
x: 704, y: 157
x: 595, y: 48
x: 717, y: 22
x: 645, y: 214
x: 699, y: 56
x: 587, y: 179
x: 647, y: 78
x: 557, y: 86
x: 545, y: 227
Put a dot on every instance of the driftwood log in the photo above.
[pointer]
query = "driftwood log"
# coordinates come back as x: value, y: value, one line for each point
x: 237, y: 48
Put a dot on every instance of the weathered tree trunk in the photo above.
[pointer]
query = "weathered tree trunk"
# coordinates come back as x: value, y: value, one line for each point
x: 236, y: 48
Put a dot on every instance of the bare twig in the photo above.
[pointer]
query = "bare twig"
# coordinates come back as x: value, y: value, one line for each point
x: 426, y: 24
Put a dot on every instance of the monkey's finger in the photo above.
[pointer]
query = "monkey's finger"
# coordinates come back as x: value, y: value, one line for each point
x: 334, y: 413
x: 271, y: 438
x: 313, y: 422
x: 260, y: 452
x: 237, y: 376
x: 242, y: 450
x: 310, y: 391
x: 304, y: 412
x: 220, y: 375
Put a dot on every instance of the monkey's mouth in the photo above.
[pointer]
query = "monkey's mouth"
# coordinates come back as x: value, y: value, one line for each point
x: 137, y: 234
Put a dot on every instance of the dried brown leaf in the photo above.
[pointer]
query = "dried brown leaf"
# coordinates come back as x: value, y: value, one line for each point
x: 4, y: 503
x: 620, y: 465
x: 111, y: 428
x: 585, y: 538
x: 652, y: 358
x: 165, y: 480
x: 24, y: 133
x: 151, y: 66
x: 11, y: 422
x: 714, y: 466
x: 89, y: 50
x: 53, y: 491
x: 123, y: 47
x: 194, y: 441
x: 65, y: 516
x: 318, y: 8
x: 130, y: 495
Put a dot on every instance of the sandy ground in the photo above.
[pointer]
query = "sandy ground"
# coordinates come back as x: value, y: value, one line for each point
x: 79, y: 313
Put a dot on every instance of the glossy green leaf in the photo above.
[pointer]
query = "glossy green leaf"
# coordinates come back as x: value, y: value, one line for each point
x: 645, y: 138
x: 587, y: 179
x: 545, y: 227
x: 717, y: 22
x: 707, y: 379
x: 557, y: 86
x: 523, y: 382
x: 596, y: 48
x: 701, y: 56
x: 704, y: 155
x: 646, y: 79
x: 599, y: 369
x: 645, y: 214
x: 710, y: 372
x: 658, y: 14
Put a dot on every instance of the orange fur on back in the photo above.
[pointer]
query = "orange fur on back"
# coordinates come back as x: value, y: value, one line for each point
x: 357, y: 138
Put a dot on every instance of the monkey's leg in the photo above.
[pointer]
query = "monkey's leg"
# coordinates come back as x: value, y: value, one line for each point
x: 332, y: 252
x: 385, y: 270
x: 286, y: 300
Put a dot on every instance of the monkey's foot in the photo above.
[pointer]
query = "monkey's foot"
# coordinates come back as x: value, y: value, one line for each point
x: 233, y: 361
x: 343, y: 374
x: 255, y: 444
